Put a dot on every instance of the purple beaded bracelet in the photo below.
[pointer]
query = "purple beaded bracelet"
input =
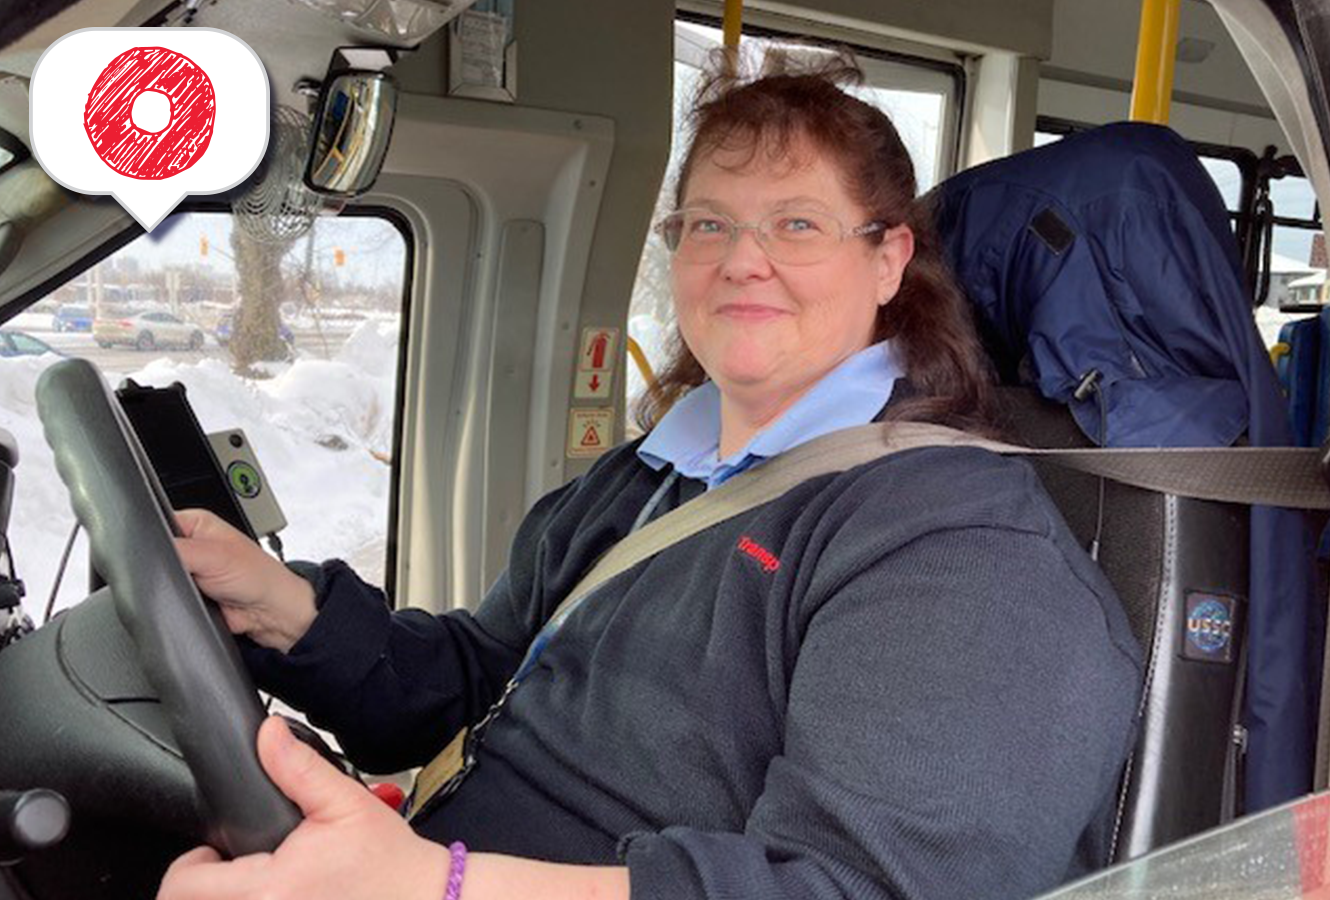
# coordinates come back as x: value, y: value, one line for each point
x: 457, y: 850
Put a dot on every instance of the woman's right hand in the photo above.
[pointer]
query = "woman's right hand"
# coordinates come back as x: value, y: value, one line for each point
x: 259, y: 596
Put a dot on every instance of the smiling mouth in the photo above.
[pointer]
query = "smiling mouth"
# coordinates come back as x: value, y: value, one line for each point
x: 745, y: 311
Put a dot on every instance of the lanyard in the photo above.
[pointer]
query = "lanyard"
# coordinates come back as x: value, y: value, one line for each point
x: 456, y: 762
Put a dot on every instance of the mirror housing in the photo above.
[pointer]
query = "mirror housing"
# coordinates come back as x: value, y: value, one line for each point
x: 353, y: 123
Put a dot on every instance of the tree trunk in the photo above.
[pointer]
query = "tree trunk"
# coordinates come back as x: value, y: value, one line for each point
x: 255, y: 333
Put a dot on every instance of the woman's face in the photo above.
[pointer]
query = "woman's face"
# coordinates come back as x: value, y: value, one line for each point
x: 765, y: 331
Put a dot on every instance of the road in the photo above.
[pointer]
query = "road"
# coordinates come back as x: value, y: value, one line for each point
x: 309, y: 344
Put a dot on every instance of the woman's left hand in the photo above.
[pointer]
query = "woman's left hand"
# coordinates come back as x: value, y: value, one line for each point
x: 351, y: 845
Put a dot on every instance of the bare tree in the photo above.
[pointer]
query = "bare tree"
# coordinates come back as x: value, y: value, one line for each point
x: 255, y: 330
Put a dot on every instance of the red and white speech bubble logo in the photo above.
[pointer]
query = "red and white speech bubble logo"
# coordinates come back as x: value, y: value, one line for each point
x: 149, y: 115
x: 132, y: 145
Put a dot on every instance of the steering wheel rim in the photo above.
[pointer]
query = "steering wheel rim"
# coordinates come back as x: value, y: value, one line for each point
x: 184, y: 647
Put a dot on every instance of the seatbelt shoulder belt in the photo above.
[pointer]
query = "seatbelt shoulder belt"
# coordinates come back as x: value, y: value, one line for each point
x: 1268, y: 476
x: 1250, y: 475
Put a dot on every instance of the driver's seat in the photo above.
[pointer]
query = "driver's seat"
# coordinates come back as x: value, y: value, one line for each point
x: 1180, y: 567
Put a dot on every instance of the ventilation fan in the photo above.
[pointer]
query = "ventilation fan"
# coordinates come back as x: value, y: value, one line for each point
x: 277, y: 207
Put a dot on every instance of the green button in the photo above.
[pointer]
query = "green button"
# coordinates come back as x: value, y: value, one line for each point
x: 244, y: 479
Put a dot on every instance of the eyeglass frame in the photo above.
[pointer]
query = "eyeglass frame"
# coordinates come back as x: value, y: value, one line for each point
x: 871, y: 227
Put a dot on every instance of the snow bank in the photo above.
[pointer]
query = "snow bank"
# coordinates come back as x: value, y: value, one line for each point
x: 321, y: 429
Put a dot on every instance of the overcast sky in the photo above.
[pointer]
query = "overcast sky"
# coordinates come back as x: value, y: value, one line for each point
x: 375, y: 252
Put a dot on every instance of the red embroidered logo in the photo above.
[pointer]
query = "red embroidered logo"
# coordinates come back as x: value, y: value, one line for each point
x: 764, y: 556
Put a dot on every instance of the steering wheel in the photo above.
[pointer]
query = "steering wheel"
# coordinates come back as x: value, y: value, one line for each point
x: 184, y: 647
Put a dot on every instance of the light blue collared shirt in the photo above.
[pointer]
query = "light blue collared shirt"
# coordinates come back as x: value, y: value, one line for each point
x: 688, y: 437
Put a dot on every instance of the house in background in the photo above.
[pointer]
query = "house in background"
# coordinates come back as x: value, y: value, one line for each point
x: 1307, y: 289
x: 1293, y: 284
x: 1286, y: 277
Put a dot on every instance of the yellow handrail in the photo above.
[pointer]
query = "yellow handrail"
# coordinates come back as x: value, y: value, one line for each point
x: 1156, y: 50
x: 1278, y: 352
x: 731, y: 27
x: 732, y: 24
x: 644, y: 367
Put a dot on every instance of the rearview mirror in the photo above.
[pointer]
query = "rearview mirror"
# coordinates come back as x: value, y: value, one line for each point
x: 351, y: 131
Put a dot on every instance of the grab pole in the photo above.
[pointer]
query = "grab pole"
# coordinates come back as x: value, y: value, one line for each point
x: 1156, y: 50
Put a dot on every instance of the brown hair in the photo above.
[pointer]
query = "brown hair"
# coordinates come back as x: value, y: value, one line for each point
x: 929, y: 319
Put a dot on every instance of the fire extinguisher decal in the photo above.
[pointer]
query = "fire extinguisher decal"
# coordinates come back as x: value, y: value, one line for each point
x: 597, y: 349
x: 599, y: 344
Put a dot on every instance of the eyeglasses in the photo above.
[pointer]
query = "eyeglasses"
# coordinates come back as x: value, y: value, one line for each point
x: 795, y: 237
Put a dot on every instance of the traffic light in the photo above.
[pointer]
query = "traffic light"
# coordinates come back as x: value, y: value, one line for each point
x: 203, y: 246
x: 339, y: 257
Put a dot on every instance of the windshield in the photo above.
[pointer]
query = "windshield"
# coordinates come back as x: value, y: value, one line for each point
x: 312, y: 387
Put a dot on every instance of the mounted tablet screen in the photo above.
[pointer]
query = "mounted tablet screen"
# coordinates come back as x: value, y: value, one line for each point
x: 179, y: 450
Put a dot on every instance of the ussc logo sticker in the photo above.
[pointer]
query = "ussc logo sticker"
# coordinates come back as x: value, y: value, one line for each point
x: 149, y: 115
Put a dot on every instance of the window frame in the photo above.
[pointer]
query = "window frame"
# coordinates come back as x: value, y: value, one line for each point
x: 403, y: 225
x: 1243, y: 158
x: 133, y: 231
x: 910, y: 72
x: 1249, y: 166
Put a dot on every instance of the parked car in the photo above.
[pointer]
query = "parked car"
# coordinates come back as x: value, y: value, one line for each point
x: 227, y: 322
x: 147, y: 331
x: 16, y: 343
x: 69, y: 317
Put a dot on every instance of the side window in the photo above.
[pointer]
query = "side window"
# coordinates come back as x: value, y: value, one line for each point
x: 921, y: 97
x: 308, y: 371
x: 1228, y: 178
x: 25, y: 344
x: 1225, y: 173
x: 1297, y: 251
x: 1297, y: 266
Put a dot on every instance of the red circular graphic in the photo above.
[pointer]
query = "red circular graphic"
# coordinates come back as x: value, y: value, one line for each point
x: 150, y: 155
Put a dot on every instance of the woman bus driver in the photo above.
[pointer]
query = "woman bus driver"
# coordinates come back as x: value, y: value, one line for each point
x: 904, y: 680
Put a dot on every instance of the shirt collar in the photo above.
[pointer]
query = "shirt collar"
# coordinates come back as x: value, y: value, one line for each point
x: 688, y: 436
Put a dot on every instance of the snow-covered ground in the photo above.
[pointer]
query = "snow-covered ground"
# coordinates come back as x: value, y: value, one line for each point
x: 321, y: 429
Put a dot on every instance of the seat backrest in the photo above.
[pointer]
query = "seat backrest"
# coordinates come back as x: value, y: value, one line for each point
x: 1320, y: 381
x: 1180, y: 567
x: 1300, y: 371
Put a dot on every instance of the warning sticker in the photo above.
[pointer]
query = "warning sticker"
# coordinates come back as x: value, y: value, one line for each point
x: 598, y: 346
x: 592, y: 386
x: 590, y: 431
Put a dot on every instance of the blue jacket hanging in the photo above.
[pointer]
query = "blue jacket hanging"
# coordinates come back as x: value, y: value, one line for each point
x: 1111, y: 252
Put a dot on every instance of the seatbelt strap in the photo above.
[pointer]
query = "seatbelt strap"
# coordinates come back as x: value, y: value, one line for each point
x: 1251, y: 475
x: 1265, y: 476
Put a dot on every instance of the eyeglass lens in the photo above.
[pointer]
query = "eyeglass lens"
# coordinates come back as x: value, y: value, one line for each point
x: 792, y: 236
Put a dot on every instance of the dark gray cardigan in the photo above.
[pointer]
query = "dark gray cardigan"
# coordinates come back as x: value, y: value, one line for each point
x: 902, y: 681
